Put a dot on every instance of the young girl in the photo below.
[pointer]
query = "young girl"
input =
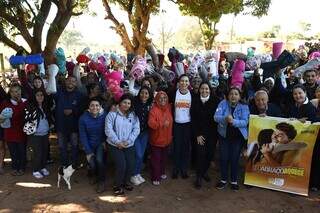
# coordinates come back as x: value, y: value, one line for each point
x: 38, y: 113
x: 232, y: 118
x: 142, y: 106
x: 122, y: 129
x: 160, y: 123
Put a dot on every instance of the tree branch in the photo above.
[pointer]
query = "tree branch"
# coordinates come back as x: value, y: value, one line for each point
x: 30, y: 8
x: 40, y: 21
x: 22, y: 25
x: 7, y: 41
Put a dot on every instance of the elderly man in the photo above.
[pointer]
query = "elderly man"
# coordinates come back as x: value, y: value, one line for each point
x: 261, y: 107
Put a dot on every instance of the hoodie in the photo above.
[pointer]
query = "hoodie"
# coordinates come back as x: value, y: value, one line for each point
x: 119, y: 128
x: 160, y: 135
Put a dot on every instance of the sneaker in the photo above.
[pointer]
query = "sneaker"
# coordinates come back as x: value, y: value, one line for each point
x: 235, y: 187
x: 314, y: 189
x: 206, y: 177
x: 37, y: 175
x: 50, y: 161
x: 118, y: 191
x: 14, y: 173
x: 198, y: 183
x: 135, y: 180
x: 184, y: 175
x: 101, y: 187
x: 221, y: 185
x: 174, y: 175
x: 163, y: 177
x: 128, y: 187
x: 20, y: 173
x: 141, y: 179
x: 45, y: 172
x: 156, y: 183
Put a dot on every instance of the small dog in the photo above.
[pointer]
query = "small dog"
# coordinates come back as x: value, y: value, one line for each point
x: 65, y: 172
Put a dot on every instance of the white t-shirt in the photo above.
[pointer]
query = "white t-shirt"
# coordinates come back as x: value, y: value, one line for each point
x: 182, y: 107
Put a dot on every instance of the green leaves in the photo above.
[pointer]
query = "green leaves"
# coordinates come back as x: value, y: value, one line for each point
x: 209, y: 12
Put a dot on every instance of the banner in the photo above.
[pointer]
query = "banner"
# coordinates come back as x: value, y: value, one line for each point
x: 279, y: 154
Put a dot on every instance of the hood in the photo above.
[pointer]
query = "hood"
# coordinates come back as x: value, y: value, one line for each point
x: 156, y: 99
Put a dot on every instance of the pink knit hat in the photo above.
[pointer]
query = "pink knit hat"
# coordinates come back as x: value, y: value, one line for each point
x: 237, y: 73
x: 276, y: 49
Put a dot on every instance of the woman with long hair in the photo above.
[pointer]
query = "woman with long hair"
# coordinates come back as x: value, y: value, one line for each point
x: 38, y: 116
x: 205, y: 130
x: 122, y: 129
x: 142, y: 106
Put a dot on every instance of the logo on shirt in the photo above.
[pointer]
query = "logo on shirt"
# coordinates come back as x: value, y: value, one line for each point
x: 182, y: 104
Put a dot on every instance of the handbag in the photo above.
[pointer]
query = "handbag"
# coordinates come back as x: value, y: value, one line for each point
x: 30, y: 127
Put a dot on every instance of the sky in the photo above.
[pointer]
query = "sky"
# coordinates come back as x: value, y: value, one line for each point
x: 286, y: 13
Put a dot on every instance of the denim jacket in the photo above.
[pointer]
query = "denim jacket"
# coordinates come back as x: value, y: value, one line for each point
x: 240, y: 118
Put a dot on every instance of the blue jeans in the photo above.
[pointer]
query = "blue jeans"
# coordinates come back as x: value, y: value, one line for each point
x: 97, y: 164
x: 18, y: 154
x: 229, y: 156
x: 181, y: 146
x: 140, y: 145
x: 63, y: 140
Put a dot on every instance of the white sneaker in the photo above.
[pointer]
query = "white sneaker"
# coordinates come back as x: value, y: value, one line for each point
x: 141, y: 179
x: 37, y: 175
x: 156, y: 183
x: 135, y: 180
x: 163, y: 177
x: 45, y: 172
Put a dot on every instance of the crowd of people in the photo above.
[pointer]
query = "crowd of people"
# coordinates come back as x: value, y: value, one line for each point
x: 187, y: 116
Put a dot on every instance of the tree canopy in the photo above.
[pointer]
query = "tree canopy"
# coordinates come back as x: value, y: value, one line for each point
x: 27, y: 18
x: 209, y: 13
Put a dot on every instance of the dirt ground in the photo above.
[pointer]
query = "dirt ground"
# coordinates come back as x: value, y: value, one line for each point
x: 26, y: 194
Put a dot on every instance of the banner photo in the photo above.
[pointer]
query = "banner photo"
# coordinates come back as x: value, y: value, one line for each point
x: 279, y: 154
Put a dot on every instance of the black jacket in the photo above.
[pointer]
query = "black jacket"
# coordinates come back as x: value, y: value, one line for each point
x: 273, y: 110
x: 306, y: 110
x: 202, y: 117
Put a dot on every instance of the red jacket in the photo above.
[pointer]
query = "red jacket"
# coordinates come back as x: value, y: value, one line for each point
x: 15, y: 132
x: 160, y: 135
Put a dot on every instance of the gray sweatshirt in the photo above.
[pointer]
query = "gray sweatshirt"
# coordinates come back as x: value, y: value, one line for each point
x: 119, y: 128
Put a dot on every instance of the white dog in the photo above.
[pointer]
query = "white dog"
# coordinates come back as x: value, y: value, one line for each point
x: 65, y: 172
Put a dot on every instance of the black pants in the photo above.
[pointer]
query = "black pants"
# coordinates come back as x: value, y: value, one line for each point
x: 181, y: 146
x: 39, y: 145
x: 124, y: 160
x: 205, y: 154
x: 315, y: 166
x: 18, y: 152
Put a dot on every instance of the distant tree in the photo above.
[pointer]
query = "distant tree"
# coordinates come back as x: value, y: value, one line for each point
x: 273, y: 33
x: 70, y: 38
x: 209, y: 13
x: 27, y: 19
